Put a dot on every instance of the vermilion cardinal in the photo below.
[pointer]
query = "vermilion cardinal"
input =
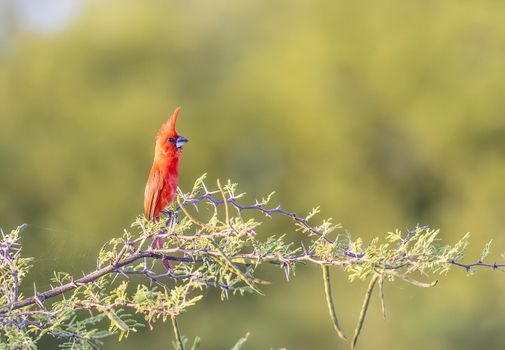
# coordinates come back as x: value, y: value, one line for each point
x: 164, y: 176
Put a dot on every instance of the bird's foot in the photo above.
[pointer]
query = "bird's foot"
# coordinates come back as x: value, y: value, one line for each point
x: 172, y: 217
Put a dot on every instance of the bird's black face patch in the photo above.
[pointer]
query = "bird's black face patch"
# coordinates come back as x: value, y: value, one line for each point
x: 178, y: 141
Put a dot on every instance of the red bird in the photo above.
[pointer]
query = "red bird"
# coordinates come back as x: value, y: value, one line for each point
x: 164, y: 176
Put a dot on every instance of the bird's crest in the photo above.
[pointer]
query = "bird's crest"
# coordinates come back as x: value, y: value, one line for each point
x: 168, y: 129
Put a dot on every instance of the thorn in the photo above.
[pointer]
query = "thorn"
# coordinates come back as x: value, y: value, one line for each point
x: 303, y: 248
x: 37, y: 299
x: 286, y: 271
x: 123, y: 273
x: 115, y: 276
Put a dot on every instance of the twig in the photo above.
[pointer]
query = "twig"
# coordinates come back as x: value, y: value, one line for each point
x: 91, y: 277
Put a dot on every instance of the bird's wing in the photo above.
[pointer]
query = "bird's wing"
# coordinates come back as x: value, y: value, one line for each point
x: 152, y: 194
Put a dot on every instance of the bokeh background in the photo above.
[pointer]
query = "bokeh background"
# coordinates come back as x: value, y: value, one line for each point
x: 385, y: 113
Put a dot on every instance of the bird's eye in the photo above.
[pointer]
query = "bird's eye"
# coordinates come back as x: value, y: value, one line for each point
x: 172, y: 140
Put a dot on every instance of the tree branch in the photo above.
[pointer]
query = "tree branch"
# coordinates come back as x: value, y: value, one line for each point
x: 91, y: 277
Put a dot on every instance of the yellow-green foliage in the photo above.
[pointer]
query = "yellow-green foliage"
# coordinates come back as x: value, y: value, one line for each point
x: 223, y: 253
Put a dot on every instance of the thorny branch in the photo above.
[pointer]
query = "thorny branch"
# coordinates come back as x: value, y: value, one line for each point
x: 206, y: 252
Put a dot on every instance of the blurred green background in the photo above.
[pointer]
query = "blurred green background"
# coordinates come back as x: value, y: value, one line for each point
x: 387, y: 114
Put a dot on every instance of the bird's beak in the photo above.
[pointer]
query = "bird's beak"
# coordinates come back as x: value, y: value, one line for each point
x: 181, y: 141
